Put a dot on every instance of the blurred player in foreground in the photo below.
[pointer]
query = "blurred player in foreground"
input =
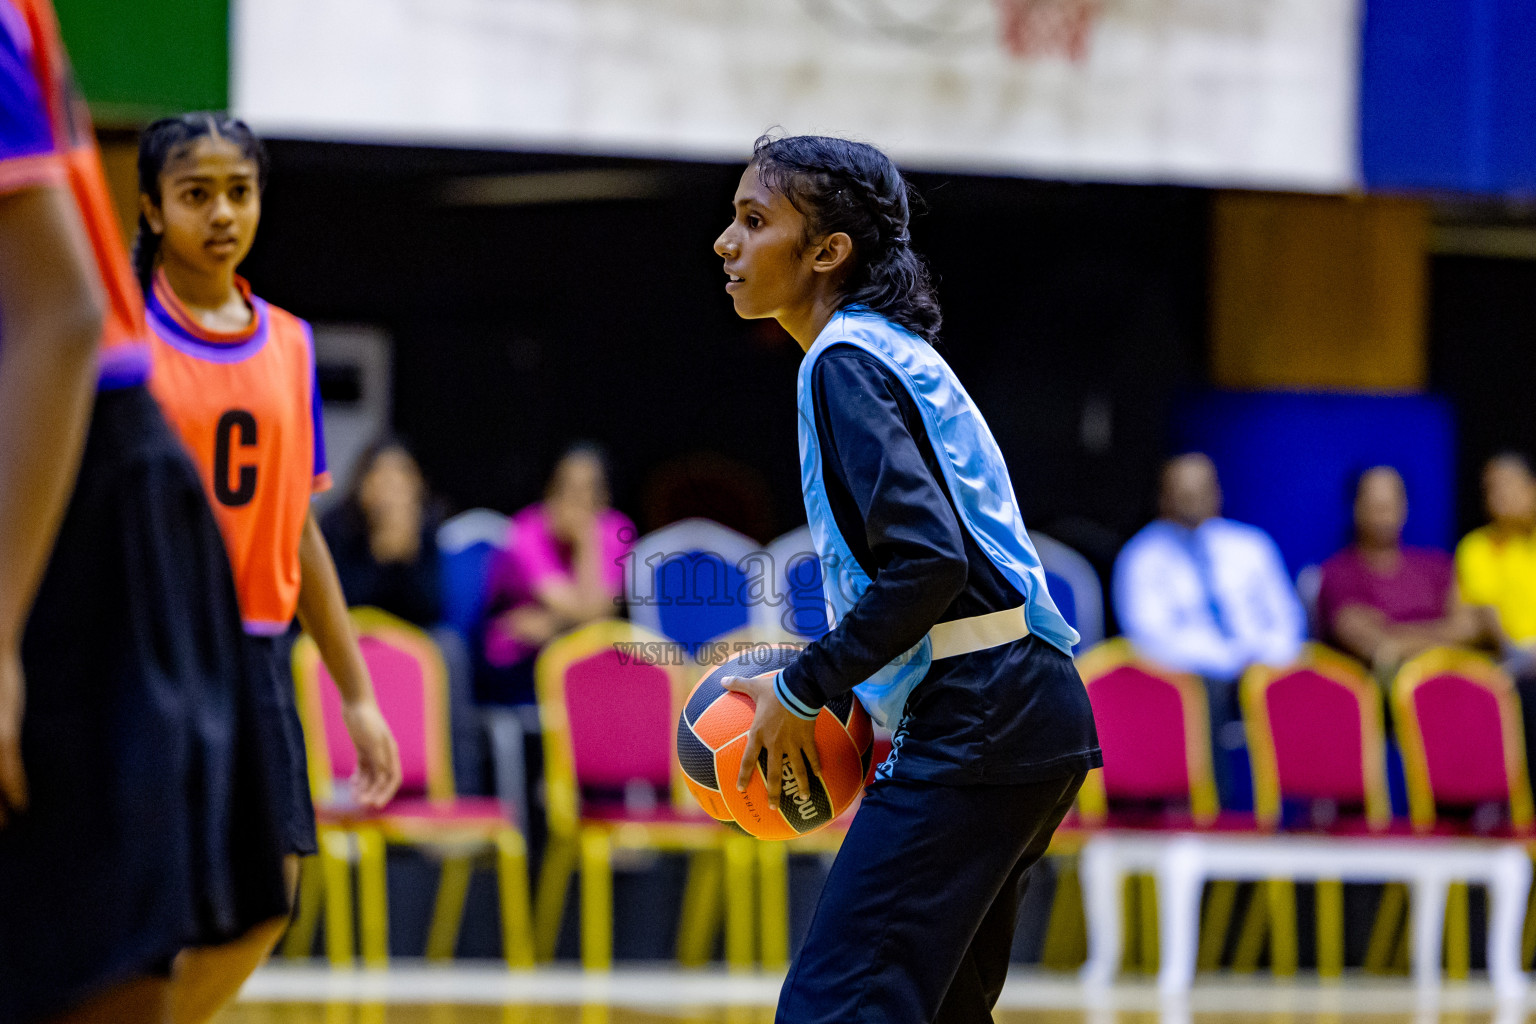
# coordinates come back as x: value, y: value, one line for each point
x: 945, y: 629
x: 124, y: 727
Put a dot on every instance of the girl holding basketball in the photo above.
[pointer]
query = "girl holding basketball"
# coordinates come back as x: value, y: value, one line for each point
x: 236, y: 379
x: 945, y: 629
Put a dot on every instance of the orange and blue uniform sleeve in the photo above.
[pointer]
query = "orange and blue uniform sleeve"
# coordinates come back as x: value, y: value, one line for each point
x: 46, y: 139
x: 322, y: 481
x: 29, y: 150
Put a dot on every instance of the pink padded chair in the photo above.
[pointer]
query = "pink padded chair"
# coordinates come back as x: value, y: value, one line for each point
x: 411, y: 683
x: 1458, y: 722
x: 1315, y: 733
x: 609, y: 696
x: 1154, y: 729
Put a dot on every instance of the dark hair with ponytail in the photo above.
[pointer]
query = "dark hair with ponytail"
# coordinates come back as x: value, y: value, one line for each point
x: 852, y: 187
x: 164, y: 141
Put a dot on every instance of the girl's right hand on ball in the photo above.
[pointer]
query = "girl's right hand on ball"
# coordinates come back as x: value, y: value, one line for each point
x: 784, y: 736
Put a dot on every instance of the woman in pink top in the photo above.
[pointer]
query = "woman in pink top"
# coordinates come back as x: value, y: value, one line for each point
x: 563, y: 567
x: 1384, y: 602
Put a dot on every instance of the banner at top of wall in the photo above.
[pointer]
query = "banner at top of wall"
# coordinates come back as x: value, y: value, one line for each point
x: 140, y: 60
x: 1215, y: 92
x: 1448, y: 97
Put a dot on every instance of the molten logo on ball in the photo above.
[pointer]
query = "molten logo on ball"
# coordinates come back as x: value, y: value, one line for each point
x: 712, y: 736
x: 791, y: 790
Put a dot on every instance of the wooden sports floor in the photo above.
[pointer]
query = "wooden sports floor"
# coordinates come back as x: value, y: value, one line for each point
x: 447, y: 1013
x: 415, y: 994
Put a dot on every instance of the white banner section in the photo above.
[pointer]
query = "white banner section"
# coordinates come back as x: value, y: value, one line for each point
x: 1216, y: 92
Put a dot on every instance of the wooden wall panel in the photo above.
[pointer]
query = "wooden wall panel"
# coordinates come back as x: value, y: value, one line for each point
x: 120, y: 162
x: 1318, y: 292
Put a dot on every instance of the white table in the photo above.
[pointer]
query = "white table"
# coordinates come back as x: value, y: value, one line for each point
x: 1182, y: 862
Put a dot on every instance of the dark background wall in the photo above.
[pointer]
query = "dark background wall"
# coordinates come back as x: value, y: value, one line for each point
x: 1074, y: 313
x: 1482, y: 326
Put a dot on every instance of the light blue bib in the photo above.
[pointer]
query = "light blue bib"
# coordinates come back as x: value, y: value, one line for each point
x: 977, y: 479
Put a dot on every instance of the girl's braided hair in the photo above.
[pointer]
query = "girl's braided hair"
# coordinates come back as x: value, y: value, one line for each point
x: 852, y: 187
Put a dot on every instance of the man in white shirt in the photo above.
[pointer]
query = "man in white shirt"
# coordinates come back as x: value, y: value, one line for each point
x: 1203, y: 594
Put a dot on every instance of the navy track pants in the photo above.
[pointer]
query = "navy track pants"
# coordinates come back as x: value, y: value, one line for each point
x: 916, y: 921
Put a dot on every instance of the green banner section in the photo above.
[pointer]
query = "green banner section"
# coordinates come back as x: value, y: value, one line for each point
x: 139, y: 59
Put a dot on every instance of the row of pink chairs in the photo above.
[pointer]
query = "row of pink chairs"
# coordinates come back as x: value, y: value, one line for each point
x: 1316, y: 738
x: 608, y: 700
x: 1315, y: 732
x: 412, y: 686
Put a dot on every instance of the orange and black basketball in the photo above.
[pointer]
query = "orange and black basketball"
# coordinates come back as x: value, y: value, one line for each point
x: 712, y: 734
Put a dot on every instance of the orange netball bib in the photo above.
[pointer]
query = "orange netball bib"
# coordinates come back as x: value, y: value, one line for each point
x: 247, y: 408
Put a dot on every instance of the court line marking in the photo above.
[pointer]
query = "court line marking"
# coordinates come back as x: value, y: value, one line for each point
x: 489, y: 983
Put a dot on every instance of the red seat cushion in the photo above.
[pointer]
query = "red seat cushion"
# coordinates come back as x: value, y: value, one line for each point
x: 1316, y: 724
x: 1462, y: 727
x: 417, y: 812
x: 1158, y: 820
x: 661, y: 814
x: 1140, y: 718
x: 1349, y: 826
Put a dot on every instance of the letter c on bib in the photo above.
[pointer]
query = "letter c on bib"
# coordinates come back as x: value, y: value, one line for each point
x: 242, y: 422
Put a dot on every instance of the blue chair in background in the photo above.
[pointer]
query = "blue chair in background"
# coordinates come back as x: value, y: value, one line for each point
x: 803, y: 612
x: 689, y: 582
x: 1074, y: 586
x: 466, y: 544
x: 1309, y: 587
x: 1061, y: 593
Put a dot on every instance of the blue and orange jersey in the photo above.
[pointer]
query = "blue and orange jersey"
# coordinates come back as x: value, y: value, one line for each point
x: 46, y: 139
x: 247, y: 407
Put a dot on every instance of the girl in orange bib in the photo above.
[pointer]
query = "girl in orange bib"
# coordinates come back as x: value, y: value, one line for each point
x: 235, y: 377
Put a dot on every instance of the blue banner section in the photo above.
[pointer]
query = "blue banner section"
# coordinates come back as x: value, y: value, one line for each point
x: 1288, y: 462
x: 1448, y: 95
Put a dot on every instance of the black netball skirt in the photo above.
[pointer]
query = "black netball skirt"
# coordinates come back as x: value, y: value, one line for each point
x: 287, y: 768
x: 149, y: 828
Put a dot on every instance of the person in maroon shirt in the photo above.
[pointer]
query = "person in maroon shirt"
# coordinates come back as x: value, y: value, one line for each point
x: 1384, y: 602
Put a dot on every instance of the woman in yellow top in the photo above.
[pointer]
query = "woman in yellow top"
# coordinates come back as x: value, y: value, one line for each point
x: 1496, y: 564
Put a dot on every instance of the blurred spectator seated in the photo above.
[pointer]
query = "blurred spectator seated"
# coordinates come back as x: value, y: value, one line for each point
x: 1496, y: 564
x: 383, y: 536
x: 1381, y: 601
x: 563, y: 567
x: 1496, y: 570
x: 1201, y: 594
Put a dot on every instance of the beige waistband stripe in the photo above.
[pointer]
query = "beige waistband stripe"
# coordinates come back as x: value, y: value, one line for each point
x: 979, y: 632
